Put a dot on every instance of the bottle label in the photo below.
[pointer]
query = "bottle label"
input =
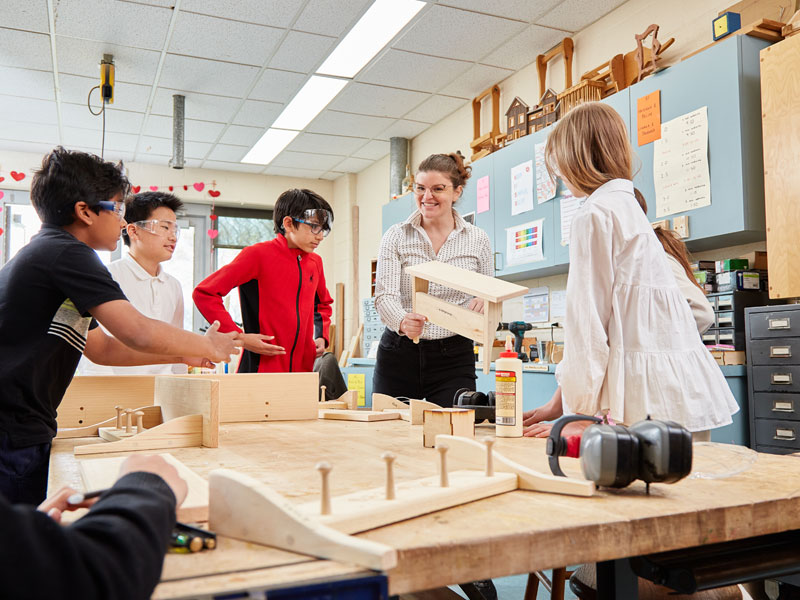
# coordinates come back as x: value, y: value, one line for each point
x: 505, y: 398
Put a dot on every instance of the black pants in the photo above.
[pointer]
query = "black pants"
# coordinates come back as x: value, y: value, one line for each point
x: 23, y: 472
x: 330, y: 375
x: 432, y: 370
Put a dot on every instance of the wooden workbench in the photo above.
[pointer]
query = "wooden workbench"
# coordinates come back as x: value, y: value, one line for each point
x: 516, y: 532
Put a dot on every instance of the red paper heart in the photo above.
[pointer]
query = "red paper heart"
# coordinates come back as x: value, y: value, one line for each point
x: 153, y: 188
x: 213, y: 217
x: 199, y: 186
x: 186, y: 187
x: 1, y: 231
x: 17, y: 176
x: 170, y: 188
x: 212, y: 233
x: 136, y: 189
x: 1, y: 197
x: 2, y: 178
x: 213, y: 193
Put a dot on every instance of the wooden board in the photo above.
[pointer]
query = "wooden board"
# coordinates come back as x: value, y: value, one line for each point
x: 152, y: 417
x: 181, y: 432
x: 417, y: 408
x: 405, y: 413
x: 332, y: 404
x: 469, y: 282
x: 457, y: 319
x: 751, y: 11
x: 780, y: 82
x: 101, y: 473
x: 357, y: 415
x: 338, y: 340
x: 182, y: 396
x: 92, y: 398
x: 447, y: 421
x: 383, y: 401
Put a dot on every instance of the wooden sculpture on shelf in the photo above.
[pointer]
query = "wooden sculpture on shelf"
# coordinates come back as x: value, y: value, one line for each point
x: 485, y: 143
x: 566, y: 49
x: 610, y: 75
x: 516, y: 119
x: 642, y: 61
x: 585, y: 91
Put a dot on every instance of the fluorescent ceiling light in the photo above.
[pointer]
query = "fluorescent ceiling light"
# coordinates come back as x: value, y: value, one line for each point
x: 269, y: 146
x: 367, y: 37
x: 309, y: 102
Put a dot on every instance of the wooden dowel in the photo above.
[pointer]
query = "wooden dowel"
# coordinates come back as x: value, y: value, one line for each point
x: 389, y: 458
x: 139, y: 422
x: 442, y: 449
x: 489, y: 457
x: 128, y: 417
x: 325, y: 493
x: 322, y: 393
x: 119, y: 410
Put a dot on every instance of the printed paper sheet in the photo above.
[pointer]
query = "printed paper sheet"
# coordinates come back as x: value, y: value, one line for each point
x: 535, y: 305
x: 545, y: 187
x: 522, y: 187
x: 524, y: 243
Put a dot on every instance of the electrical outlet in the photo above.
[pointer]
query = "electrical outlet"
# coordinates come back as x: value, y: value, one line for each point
x: 663, y: 224
x: 680, y: 225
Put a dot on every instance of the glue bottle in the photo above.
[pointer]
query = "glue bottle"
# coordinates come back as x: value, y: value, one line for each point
x: 508, y: 392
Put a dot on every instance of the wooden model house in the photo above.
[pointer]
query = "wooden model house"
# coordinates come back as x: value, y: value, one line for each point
x: 516, y: 118
x: 546, y: 113
x: 533, y: 119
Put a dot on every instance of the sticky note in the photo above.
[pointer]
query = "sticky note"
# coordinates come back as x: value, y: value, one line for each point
x: 648, y: 117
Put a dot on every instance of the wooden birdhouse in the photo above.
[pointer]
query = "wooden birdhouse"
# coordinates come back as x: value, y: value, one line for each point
x: 516, y: 118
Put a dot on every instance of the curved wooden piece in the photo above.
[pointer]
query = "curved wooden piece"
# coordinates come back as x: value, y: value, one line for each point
x: 350, y: 398
x: 382, y: 402
x: 418, y: 408
x: 244, y: 508
x: 474, y: 453
x: 183, y: 432
x: 152, y: 417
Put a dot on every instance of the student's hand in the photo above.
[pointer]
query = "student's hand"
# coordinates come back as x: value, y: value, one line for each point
x: 476, y: 304
x: 539, y: 430
x: 56, y: 504
x: 320, y: 344
x: 258, y: 343
x: 412, y: 325
x: 194, y: 361
x: 222, y: 344
x: 151, y: 463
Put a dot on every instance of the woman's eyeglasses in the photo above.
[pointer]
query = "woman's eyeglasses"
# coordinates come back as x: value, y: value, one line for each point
x: 435, y: 190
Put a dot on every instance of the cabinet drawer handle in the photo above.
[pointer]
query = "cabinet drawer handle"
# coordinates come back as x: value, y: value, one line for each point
x: 786, y: 435
x: 780, y: 351
x: 725, y: 320
x: 780, y: 378
x: 709, y: 337
x: 496, y: 254
x: 783, y: 323
x: 782, y: 406
x: 728, y: 337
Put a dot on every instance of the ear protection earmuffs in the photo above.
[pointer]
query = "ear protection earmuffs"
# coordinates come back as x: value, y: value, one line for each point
x: 482, y: 404
x: 615, y: 456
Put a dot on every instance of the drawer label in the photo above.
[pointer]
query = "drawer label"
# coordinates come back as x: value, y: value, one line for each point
x: 780, y: 351
x: 784, y: 434
x: 783, y: 406
x: 781, y: 378
x: 779, y: 323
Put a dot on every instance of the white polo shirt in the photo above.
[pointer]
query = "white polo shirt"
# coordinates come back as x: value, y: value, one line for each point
x: 158, y: 297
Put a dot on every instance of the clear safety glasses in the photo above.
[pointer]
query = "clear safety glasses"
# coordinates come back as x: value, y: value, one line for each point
x: 118, y: 208
x: 318, y: 219
x: 160, y: 227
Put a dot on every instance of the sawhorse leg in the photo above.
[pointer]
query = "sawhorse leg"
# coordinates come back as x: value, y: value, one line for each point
x: 616, y: 580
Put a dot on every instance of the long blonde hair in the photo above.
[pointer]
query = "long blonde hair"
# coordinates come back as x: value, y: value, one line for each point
x: 588, y: 147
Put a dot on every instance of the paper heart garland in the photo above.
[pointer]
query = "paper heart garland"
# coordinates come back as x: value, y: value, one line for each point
x: 213, y: 217
x: 212, y: 233
x: 153, y: 188
x: 1, y: 231
x: 17, y: 176
x: 199, y: 186
x: 136, y: 189
x: 170, y: 188
x: 1, y: 197
x: 213, y: 193
x: 186, y: 187
x: 2, y: 178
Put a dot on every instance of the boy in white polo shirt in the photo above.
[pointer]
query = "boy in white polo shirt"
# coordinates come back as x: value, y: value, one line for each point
x: 151, y: 235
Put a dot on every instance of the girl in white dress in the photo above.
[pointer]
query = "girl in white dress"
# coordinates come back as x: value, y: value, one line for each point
x: 631, y: 344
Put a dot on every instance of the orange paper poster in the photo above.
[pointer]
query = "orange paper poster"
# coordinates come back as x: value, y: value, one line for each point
x: 648, y: 113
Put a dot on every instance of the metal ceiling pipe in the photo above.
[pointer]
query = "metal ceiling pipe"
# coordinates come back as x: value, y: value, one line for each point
x: 398, y: 161
x: 178, y: 115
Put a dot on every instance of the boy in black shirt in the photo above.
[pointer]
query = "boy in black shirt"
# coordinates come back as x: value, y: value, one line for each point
x: 50, y: 294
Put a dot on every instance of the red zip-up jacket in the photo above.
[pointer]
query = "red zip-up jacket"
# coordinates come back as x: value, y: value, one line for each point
x: 280, y: 289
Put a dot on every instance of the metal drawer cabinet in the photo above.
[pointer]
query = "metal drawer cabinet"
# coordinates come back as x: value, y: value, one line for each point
x: 778, y: 351
x: 779, y: 321
x: 775, y: 449
x: 776, y: 406
x: 773, y: 432
x: 776, y: 378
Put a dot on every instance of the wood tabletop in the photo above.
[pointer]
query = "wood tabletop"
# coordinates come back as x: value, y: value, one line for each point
x: 516, y: 532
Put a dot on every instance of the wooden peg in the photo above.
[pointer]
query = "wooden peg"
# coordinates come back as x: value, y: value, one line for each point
x: 323, y: 397
x: 139, y: 423
x: 489, y: 458
x: 442, y: 448
x: 325, y: 506
x: 128, y: 417
x: 389, y: 458
x: 119, y: 410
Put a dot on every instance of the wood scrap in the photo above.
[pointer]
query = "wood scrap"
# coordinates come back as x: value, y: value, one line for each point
x: 182, y: 432
x: 384, y: 401
x: 152, y: 417
x: 418, y: 407
x: 357, y: 415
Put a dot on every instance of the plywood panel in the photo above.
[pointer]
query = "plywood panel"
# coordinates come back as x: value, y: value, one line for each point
x: 180, y: 397
x: 469, y: 282
x: 91, y: 399
x: 780, y: 102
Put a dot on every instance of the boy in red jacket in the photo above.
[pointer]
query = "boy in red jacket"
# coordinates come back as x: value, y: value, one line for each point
x: 281, y: 285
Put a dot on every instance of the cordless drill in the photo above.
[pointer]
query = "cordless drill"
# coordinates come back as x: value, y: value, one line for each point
x: 518, y: 328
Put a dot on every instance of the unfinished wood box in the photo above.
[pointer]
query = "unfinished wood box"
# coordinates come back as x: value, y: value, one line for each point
x: 447, y: 421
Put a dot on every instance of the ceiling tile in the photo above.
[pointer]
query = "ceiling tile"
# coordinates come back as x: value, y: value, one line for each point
x: 374, y: 150
x: 442, y: 33
x: 31, y: 147
x: 574, y: 15
x: 256, y: 113
x: 330, y: 17
x: 302, y: 52
x: 297, y: 173
x: 331, y: 175
x: 277, y: 86
x: 475, y: 80
x: 118, y: 155
x: 29, y: 111
x: 278, y: 13
x: 223, y: 39
x: 29, y: 132
x: 204, y: 107
x: 403, y: 128
x: 326, y: 144
x: 241, y: 136
x: 353, y: 165
x: 339, y: 123
x: 397, y: 68
x: 24, y: 49
x: 305, y: 160
x: 228, y: 153
x: 521, y: 10
x: 435, y: 109
x: 82, y: 57
x: 153, y: 159
x: 127, y: 96
x: 232, y: 166
x: 121, y: 141
x: 126, y: 23
x: 376, y: 100
x: 522, y: 49
x: 194, y: 131
x: 75, y: 137
x: 197, y: 150
x: 78, y: 115
x: 27, y: 15
x: 154, y: 145
x: 208, y: 76
x: 28, y: 83
x: 161, y: 3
